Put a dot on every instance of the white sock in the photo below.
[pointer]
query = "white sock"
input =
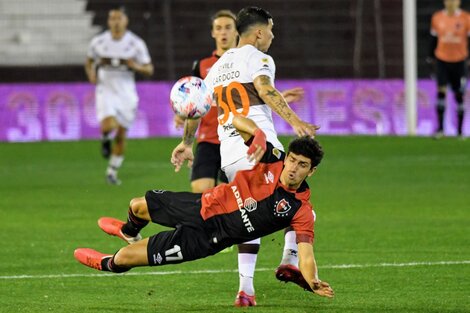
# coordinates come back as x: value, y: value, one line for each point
x: 246, y: 270
x: 115, y: 162
x: 289, y: 255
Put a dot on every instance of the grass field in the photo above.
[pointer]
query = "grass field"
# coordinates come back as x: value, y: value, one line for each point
x: 392, y: 231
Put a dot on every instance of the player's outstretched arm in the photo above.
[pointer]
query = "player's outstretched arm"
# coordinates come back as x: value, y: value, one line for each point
x: 144, y: 69
x: 248, y: 129
x: 308, y: 267
x: 184, y: 151
x: 90, y: 70
x: 293, y: 95
x: 274, y: 99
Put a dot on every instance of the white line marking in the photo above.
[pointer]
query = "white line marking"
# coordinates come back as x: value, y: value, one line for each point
x: 338, y: 266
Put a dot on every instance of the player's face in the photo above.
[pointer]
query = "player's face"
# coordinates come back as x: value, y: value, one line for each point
x: 266, y: 36
x: 224, y: 33
x: 117, y: 21
x: 296, y: 169
x: 452, y: 5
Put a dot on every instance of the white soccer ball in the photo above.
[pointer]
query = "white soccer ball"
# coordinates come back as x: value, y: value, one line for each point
x: 190, y: 97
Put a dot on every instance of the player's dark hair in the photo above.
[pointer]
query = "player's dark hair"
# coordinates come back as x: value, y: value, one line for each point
x: 223, y: 13
x: 309, y: 148
x: 250, y: 16
x: 120, y: 8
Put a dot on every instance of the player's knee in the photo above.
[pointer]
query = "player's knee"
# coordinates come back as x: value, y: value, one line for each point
x: 459, y: 97
x: 139, y: 207
x: 123, y: 257
x: 248, y: 248
x: 441, y: 100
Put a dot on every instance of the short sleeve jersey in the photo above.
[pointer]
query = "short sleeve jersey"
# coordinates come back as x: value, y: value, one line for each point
x: 231, y: 79
x: 256, y: 204
x: 207, y: 131
x: 452, y: 33
x: 110, y: 56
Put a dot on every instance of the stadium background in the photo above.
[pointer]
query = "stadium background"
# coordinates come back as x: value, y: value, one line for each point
x: 392, y: 211
x: 348, y: 56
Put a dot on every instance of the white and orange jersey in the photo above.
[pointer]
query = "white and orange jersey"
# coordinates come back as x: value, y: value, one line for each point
x: 110, y: 55
x: 231, y: 79
x: 452, y: 33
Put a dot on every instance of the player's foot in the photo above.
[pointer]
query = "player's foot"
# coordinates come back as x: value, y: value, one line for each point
x: 113, y: 226
x: 290, y: 273
x: 243, y: 300
x: 438, y: 135
x: 113, y: 179
x: 106, y: 148
x: 90, y: 257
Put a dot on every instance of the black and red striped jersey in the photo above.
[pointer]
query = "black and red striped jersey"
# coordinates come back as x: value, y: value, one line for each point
x: 207, y: 131
x: 256, y: 204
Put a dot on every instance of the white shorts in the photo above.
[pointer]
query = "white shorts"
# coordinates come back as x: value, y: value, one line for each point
x: 108, y: 104
x: 240, y: 165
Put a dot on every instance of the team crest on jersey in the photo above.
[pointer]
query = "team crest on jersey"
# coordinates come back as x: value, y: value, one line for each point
x: 282, y: 207
x: 277, y: 153
x: 264, y: 60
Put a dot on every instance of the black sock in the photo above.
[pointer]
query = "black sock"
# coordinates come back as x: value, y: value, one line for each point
x: 108, y: 265
x: 460, y: 116
x: 134, y: 224
x: 440, y: 109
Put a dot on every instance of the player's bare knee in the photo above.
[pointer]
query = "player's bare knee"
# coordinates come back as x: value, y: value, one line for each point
x: 139, y: 207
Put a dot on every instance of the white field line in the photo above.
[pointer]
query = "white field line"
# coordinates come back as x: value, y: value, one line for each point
x: 338, y: 266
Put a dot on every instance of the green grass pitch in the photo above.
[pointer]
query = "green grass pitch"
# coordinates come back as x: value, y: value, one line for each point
x: 381, y: 202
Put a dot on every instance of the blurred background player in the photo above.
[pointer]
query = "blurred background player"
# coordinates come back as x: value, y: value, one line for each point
x: 112, y: 59
x: 450, y: 29
x: 249, y: 75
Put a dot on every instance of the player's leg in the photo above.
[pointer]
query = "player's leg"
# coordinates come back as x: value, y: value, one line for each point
x: 442, y: 80
x: 247, y: 256
x: 458, y: 83
x: 117, y: 156
x: 247, y: 252
x: 137, y: 218
x: 205, y: 167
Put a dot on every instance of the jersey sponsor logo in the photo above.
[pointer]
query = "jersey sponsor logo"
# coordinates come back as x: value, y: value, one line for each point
x: 282, y: 207
x: 250, y: 204
x: 277, y: 153
x: 241, y: 207
x: 269, y: 177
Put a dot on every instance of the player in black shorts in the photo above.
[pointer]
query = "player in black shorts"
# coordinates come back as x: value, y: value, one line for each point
x: 204, y: 224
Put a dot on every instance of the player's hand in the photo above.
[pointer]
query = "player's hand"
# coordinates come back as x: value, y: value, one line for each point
x: 132, y: 65
x: 180, y: 154
x: 178, y: 122
x: 92, y: 77
x: 322, y: 288
x: 302, y: 128
x: 258, y: 146
x: 294, y: 94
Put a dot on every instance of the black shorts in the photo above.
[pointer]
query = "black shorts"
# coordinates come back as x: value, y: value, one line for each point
x: 207, y: 162
x: 189, y: 240
x: 454, y: 74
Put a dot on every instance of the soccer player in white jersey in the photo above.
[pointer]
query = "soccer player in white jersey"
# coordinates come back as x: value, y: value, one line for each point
x: 243, y: 83
x: 112, y: 59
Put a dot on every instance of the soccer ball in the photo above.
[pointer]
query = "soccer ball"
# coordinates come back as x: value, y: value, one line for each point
x: 190, y: 97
